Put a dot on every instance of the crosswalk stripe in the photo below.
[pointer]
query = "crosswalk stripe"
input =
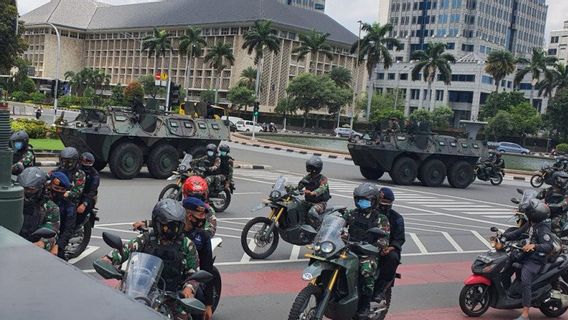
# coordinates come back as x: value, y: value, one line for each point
x: 452, y: 241
x: 295, y: 253
x: 498, y: 217
x: 489, y: 212
x: 481, y: 238
x: 87, y: 252
x: 419, y: 243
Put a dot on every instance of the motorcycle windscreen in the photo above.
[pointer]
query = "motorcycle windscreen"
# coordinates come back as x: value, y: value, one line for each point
x: 185, y: 163
x: 328, y: 240
x: 279, y: 188
x: 142, y: 274
x: 528, y: 195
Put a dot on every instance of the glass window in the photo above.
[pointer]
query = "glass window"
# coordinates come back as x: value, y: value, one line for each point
x: 391, y: 76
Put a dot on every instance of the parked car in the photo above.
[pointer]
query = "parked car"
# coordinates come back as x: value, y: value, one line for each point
x: 510, y: 147
x: 237, y: 124
x: 249, y: 126
x: 346, y: 132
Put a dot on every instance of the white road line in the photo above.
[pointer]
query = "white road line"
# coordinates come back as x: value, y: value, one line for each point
x: 462, y: 209
x: 419, y: 243
x: 498, y: 217
x: 229, y: 219
x: 452, y: 241
x: 441, y: 203
x: 87, y: 252
x: 232, y: 222
x: 490, y: 209
x: 451, y: 206
x: 101, y: 238
x: 247, y: 193
x: 497, y: 213
x: 227, y: 228
x: 116, y: 230
x: 295, y: 252
x: 438, y: 223
x: 112, y: 224
x: 481, y: 238
x: 252, y: 246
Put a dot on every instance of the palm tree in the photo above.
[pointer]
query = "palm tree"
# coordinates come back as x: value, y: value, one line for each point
x: 191, y: 45
x: 261, y: 36
x: 554, y: 78
x: 158, y: 44
x: 430, y: 62
x: 536, y: 65
x: 248, y: 77
x: 341, y: 76
x: 218, y: 54
x: 375, y: 48
x: 313, y: 43
x: 499, y: 64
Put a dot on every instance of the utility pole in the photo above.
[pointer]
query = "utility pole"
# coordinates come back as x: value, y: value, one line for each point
x: 356, y: 95
x: 57, y: 67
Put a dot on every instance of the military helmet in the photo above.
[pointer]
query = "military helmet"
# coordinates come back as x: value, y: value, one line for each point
x: 224, y: 147
x: 68, y: 158
x: 87, y: 159
x: 32, y: 177
x: 537, y: 211
x: 314, y: 165
x: 366, y: 195
x: 168, y: 217
x: 19, y: 140
x: 211, y: 147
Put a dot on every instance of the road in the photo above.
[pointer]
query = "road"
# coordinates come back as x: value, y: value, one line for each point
x: 445, y: 228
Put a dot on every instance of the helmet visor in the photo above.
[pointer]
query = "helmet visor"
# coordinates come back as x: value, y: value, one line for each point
x: 67, y: 164
x: 170, y: 230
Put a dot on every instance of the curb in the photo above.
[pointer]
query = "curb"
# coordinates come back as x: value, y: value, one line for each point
x: 252, y: 166
x: 46, y: 163
x: 280, y: 148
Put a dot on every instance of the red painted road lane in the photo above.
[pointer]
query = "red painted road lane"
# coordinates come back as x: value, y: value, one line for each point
x: 289, y: 281
x: 456, y: 314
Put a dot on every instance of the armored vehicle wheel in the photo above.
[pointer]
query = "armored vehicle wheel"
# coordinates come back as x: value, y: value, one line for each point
x: 162, y: 160
x: 433, y: 173
x: 126, y: 160
x: 460, y: 175
x: 404, y: 171
x: 371, y: 173
x: 99, y: 165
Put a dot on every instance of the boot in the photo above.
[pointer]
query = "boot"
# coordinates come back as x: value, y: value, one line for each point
x: 364, y: 308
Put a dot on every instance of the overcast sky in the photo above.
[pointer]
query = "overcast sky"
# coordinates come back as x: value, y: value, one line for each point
x: 347, y: 12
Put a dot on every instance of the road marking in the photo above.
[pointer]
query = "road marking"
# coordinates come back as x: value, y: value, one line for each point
x: 89, y: 250
x: 229, y: 219
x: 227, y: 228
x: 443, y: 222
x: 112, y: 224
x: 247, y: 193
x: 459, y: 206
x: 232, y: 222
x: 489, y: 213
x: 452, y: 241
x: 295, y: 252
x: 116, y: 230
x: 481, y: 238
x: 498, y: 217
x: 419, y: 243
x: 251, y: 246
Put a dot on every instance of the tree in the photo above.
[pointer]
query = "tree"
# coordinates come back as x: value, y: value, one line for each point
x: 12, y: 45
x: 421, y: 115
x: 441, y: 117
x: 157, y: 45
x: 134, y: 93
x: 28, y: 86
x: 311, y: 92
x: 554, y: 78
x: 526, y: 120
x: 191, y: 45
x: 557, y: 114
x: 248, y: 78
x: 538, y: 63
x: 216, y: 57
x: 499, y: 64
x: 241, y: 96
x: 16, y: 82
x: 313, y: 43
x: 339, y: 98
x: 500, y: 125
x: 374, y: 47
x: 341, y: 76
x: 382, y: 107
x: 285, y: 107
x: 87, y: 78
x: 207, y: 96
x: 430, y: 62
x: 117, y: 96
x: 500, y: 101
x: 149, y: 84
x: 261, y: 36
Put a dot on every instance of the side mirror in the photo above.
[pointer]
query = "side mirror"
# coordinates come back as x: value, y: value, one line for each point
x: 106, y: 270
x: 43, y: 233
x: 303, y: 183
x: 193, y: 306
x: 113, y: 241
x: 520, y: 191
x: 494, y: 229
x: 377, y: 232
x: 515, y: 200
x: 201, y: 276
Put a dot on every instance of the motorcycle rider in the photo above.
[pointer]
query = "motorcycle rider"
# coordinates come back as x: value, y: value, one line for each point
x: 195, y: 221
x: 359, y: 221
x: 555, y: 197
x: 227, y: 162
x: 167, y: 241
x: 539, y: 246
x: 89, y: 197
x: 58, y: 186
x: 211, y: 163
x: 390, y: 256
x: 24, y: 155
x: 494, y: 163
x: 560, y: 163
x: 39, y: 210
x: 316, y: 189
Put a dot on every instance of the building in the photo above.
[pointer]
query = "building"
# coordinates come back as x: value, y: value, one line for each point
x: 109, y: 38
x: 470, y: 29
x: 384, y: 9
x: 318, y: 5
x: 558, y: 46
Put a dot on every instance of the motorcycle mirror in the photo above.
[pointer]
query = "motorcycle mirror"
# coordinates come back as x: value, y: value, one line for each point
x: 106, y: 270
x: 377, y: 232
x: 193, y: 305
x: 494, y: 229
x: 304, y: 182
x: 201, y: 276
x: 113, y: 241
x: 515, y: 200
x: 520, y: 191
x: 43, y: 233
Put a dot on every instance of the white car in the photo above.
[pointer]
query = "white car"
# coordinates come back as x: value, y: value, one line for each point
x: 238, y: 122
x: 249, y: 127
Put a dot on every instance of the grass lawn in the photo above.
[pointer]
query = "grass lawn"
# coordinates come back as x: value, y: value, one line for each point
x: 47, y: 144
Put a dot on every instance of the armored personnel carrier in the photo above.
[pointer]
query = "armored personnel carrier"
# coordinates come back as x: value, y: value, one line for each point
x: 126, y: 140
x: 423, y: 155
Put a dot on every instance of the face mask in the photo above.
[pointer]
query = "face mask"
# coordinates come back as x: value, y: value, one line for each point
x: 364, y: 204
x: 223, y: 154
x: 384, y: 208
x: 210, y: 153
x: 18, y: 145
x: 198, y: 223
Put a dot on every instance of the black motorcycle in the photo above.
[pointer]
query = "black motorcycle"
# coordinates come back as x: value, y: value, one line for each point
x: 82, y: 234
x: 490, y: 286
x: 495, y: 177
x: 544, y: 175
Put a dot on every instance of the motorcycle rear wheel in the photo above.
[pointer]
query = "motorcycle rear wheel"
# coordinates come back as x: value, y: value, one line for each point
x: 259, y: 239
x: 224, y: 201
x: 497, y: 179
x: 388, y: 298
x: 537, y: 181
x: 470, y: 292
x: 551, y: 310
x: 73, y: 250
x: 301, y: 309
x: 217, y: 286
x: 171, y: 191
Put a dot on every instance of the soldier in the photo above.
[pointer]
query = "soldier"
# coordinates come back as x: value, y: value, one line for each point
x: 316, y: 190
x: 91, y: 190
x: 24, y: 156
x: 227, y: 163
x: 58, y: 186
x: 211, y: 164
x: 359, y: 221
x: 394, y: 127
x: 39, y: 210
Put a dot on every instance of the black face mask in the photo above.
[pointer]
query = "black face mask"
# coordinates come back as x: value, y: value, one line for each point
x: 384, y: 208
x: 198, y: 223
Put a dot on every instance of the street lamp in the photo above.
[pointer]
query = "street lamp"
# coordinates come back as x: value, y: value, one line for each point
x: 398, y: 82
x: 57, y: 66
x: 355, y: 96
x: 370, y: 89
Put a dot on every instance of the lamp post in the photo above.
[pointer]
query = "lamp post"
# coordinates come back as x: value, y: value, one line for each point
x: 370, y: 89
x: 355, y: 96
x: 57, y: 67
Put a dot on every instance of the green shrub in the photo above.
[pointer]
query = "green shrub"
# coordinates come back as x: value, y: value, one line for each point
x: 36, y: 129
x: 28, y: 86
x: 71, y: 102
x: 562, y: 148
x: 20, y: 96
x: 37, y: 97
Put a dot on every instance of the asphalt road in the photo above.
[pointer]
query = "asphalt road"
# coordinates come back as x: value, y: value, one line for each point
x: 446, y: 228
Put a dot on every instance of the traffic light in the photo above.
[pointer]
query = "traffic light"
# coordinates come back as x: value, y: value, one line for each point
x: 174, y: 94
x: 256, y: 108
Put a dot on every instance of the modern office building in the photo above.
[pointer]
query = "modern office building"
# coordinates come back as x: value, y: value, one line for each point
x: 109, y: 38
x: 470, y: 29
x: 558, y: 46
x: 318, y: 5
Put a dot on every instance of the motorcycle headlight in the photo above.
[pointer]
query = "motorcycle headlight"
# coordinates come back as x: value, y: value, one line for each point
x: 327, y: 247
x: 182, y: 168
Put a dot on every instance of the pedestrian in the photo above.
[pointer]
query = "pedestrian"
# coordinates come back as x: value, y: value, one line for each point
x: 38, y: 112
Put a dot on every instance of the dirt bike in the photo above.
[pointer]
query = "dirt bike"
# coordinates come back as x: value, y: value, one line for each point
x: 218, y: 199
x: 82, y: 235
x: 333, y: 273
x: 542, y: 176
x: 496, y: 176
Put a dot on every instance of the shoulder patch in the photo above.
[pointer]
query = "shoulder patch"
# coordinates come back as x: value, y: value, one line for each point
x: 546, y: 237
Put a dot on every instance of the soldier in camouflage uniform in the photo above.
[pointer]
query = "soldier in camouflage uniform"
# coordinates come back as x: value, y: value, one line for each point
x: 39, y: 210
x: 359, y: 221
x: 227, y: 163
x: 167, y: 242
x: 316, y: 190
x: 556, y: 197
x: 211, y: 163
x: 24, y: 156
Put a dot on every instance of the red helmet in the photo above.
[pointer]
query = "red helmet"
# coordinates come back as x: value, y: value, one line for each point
x: 195, y: 186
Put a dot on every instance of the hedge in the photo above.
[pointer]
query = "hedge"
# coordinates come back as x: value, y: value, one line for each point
x: 36, y: 129
x: 562, y: 148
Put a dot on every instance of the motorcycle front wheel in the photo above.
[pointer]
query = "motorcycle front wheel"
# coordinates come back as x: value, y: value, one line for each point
x: 79, y: 241
x: 306, y: 304
x: 537, y: 181
x: 497, y: 179
x: 474, y: 299
x: 217, y: 286
x: 171, y: 191
x: 552, y: 309
x: 258, y: 244
x: 221, y: 201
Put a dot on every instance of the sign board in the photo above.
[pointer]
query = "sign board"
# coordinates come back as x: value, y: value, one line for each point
x: 164, y: 76
x: 157, y: 76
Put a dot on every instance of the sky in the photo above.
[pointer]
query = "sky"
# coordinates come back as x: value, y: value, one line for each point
x: 347, y: 12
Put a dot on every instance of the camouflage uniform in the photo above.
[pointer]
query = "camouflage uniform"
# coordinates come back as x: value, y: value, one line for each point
x: 48, y: 217
x: 190, y: 258
x: 358, y: 224
x: 26, y: 157
x: 210, y: 225
x: 317, y: 183
x: 213, y: 177
x: 226, y: 167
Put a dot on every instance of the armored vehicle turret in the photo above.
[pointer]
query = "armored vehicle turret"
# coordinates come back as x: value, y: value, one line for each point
x: 126, y: 140
x: 420, y: 154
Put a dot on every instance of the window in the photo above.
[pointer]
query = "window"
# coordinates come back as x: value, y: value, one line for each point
x: 443, y: 18
x: 455, y: 18
x: 450, y: 46
x: 525, y: 86
x: 439, y: 95
x: 554, y: 39
x: 391, y: 76
x: 467, y: 47
x: 486, y: 80
x: 456, y: 3
x: 403, y: 76
x: 380, y: 76
x: 552, y: 52
x: 463, y: 77
x: 414, y: 94
x: 461, y: 96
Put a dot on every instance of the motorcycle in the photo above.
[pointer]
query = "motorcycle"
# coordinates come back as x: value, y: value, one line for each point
x: 496, y: 177
x: 142, y: 282
x: 542, y: 176
x: 218, y: 199
x: 333, y: 273
x: 287, y: 219
x: 489, y: 286
x: 82, y: 235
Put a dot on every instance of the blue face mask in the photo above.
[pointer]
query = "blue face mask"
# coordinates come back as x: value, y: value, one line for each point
x: 18, y: 145
x: 223, y: 153
x: 210, y: 153
x: 363, y: 204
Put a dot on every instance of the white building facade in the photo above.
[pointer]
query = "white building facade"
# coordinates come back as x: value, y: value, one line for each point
x: 558, y: 46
